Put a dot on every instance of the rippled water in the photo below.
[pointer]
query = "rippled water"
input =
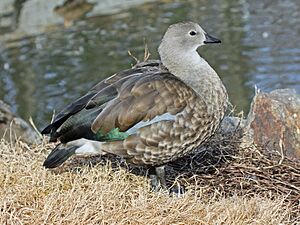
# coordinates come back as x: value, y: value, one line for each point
x: 260, y: 47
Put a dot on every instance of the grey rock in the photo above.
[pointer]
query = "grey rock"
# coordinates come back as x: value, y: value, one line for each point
x: 13, y: 128
x: 231, y: 124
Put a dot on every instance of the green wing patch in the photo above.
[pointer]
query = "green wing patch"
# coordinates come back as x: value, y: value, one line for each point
x: 113, y: 135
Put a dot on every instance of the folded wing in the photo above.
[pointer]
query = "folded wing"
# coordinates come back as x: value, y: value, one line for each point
x: 124, y: 102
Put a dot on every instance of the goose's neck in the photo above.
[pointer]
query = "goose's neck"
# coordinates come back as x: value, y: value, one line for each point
x: 192, y: 69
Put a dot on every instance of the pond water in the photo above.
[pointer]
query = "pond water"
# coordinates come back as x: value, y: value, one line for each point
x: 260, y: 46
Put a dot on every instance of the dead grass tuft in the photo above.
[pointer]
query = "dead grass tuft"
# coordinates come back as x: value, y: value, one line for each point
x: 226, y: 169
x: 222, y: 188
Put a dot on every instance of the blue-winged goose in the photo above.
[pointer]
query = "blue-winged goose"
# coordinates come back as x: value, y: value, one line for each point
x: 151, y: 114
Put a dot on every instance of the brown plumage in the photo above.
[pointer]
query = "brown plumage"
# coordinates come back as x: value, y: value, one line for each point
x: 151, y: 114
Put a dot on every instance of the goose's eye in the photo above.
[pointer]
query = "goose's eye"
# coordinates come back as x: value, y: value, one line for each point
x: 193, y: 33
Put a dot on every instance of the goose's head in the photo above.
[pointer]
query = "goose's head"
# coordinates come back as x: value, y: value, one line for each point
x: 186, y: 36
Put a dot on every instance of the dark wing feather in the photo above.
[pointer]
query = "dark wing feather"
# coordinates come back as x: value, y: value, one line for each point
x: 70, y: 110
x: 81, y: 103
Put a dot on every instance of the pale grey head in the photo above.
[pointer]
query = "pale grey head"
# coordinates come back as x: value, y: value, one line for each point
x: 178, y: 49
x: 188, y: 36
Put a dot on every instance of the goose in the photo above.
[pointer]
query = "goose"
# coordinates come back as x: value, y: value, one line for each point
x: 150, y: 114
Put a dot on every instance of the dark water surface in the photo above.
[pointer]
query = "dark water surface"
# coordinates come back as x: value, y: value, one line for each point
x: 260, y: 46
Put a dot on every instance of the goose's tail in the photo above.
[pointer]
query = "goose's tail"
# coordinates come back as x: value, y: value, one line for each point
x: 64, y: 151
x: 59, y: 155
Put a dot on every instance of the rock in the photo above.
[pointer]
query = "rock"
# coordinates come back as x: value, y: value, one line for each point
x: 13, y: 128
x: 274, y: 121
x: 231, y: 124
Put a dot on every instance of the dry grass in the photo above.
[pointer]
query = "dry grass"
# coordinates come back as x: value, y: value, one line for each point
x: 107, y: 193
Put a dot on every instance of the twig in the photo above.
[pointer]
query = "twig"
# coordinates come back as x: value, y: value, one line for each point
x: 132, y: 56
x: 34, y: 127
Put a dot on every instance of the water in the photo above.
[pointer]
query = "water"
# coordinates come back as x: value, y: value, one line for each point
x: 260, y: 46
